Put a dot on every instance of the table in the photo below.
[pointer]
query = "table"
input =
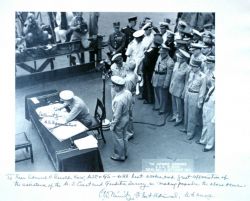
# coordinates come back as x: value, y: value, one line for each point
x: 64, y: 157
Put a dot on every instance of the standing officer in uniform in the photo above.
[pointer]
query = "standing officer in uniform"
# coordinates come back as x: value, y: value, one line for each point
x: 129, y: 30
x: 181, y: 69
x: 195, y: 49
x: 116, y: 42
x: 195, y: 90
x: 130, y: 84
x: 148, y: 65
x: 135, y: 53
x: 164, y: 26
x: 170, y: 43
x: 207, y: 39
x: 208, y: 130
x: 117, y: 69
x: 121, y: 105
x: 161, y: 79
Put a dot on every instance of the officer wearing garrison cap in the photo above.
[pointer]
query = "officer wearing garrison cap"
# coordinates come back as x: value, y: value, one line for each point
x: 117, y: 40
x: 121, y: 106
x: 181, y: 69
x: 194, y: 94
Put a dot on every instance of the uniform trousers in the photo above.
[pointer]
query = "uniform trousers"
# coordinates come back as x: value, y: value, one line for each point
x: 208, y: 130
x: 130, y: 129
x: 192, y: 113
x: 148, y: 90
x: 161, y: 98
x: 87, y: 120
x: 177, y: 106
x: 119, y: 139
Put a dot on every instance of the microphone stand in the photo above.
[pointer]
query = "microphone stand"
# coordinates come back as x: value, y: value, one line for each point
x: 105, y: 122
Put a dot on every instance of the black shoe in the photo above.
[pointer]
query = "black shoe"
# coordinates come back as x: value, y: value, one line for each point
x: 177, y: 123
x: 145, y: 102
x: 206, y: 150
x: 155, y: 109
x: 117, y: 159
x: 171, y: 119
x: 190, y: 137
x: 183, y: 130
x: 198, y: 142
x: 161, y: 113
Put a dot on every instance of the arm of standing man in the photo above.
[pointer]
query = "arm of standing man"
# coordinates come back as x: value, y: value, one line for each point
x: 117, y: 113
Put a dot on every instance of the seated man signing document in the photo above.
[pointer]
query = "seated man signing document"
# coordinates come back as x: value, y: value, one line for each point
x: 78, y: 108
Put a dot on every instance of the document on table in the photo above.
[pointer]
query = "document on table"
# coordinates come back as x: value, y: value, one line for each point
x: 86, y: 142
x: 35, y: 100
x: 52, y: 120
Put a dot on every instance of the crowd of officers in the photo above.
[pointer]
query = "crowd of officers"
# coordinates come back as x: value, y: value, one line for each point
x: 173, y: 71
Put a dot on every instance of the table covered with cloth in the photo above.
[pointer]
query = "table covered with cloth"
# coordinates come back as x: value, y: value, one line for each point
x: 64, y: 156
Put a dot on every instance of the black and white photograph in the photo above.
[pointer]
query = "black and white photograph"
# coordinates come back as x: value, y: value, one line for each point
x: 115, y: 92
x: 116, y: 100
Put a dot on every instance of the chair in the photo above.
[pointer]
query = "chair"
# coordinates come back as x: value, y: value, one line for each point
x: 23, y: 142
x: 99, y: 116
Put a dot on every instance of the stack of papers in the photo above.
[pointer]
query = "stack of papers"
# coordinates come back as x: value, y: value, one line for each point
x: 53, y: 121
x: 86, y: 143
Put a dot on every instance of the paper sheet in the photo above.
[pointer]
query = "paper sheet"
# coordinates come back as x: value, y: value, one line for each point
x: 53, y: 121
x: 34, y: 100
x: 86, y: 143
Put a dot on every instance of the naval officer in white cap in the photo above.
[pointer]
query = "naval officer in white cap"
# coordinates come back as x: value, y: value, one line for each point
x: 135, y: 53
x: 121, y: 105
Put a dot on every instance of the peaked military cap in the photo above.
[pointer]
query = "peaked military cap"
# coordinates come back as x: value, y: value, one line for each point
x: 196, y: 32
x: 118, y: 80
x: 167, y: 20
x: 197, y: 45
x: 210, y: 59
x: 138, y: 33
x: 208, y: 34
x: 116, y: 56
x: 147, y: 26
x: 116, y: 24
x: 183, y: 54
x: 134, y: 18
x: 158, y: 39
x: 207, y: 25
x: 195, y: 62
x: 163, y: 24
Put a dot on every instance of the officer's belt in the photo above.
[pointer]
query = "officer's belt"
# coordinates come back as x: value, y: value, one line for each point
x: 192, y: 91
x: 160, y: 73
